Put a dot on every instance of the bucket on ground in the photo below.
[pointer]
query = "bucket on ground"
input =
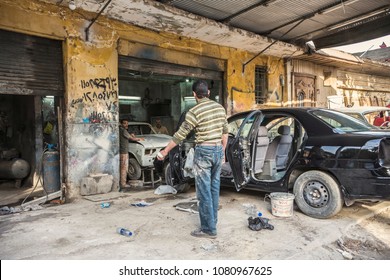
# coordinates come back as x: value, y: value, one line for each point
x: 282, y: 204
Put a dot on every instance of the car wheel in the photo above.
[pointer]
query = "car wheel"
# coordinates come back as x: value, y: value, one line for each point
x: 182, y: 188
x: 134, y: 170
x: 318, y: 195
x: 168, y: 174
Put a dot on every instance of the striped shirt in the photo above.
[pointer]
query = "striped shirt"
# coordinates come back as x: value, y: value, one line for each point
x: 207, y: 118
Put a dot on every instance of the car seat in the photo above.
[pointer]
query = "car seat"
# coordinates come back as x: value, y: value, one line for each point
x: 261, y: 149
x: 279, y: 148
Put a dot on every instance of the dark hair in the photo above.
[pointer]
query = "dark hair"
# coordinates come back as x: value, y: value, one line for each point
x: 200, y: 88
x: 122, y: 120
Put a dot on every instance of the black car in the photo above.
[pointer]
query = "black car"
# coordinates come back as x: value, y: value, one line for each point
x: 324, y: 157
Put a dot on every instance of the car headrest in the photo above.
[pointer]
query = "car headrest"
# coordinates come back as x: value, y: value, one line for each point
x: 284, y: 130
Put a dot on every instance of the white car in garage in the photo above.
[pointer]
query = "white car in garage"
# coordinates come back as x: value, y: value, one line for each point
x: 142, y: 153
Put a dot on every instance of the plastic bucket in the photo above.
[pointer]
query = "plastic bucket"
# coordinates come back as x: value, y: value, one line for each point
x: 282, y: 204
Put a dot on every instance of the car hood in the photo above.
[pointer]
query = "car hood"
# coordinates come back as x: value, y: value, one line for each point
x: 154, y: 140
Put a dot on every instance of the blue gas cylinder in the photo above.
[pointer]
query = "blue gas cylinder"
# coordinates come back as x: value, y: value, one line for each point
x: 51, y: 171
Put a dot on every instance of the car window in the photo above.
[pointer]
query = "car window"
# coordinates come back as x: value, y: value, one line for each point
x: 274, y: 125
x: 340, y: 122
x: 357, y: 116
x: 235, y: 124
x: 140, y: 129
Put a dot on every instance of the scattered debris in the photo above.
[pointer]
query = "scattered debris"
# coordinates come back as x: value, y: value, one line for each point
x: 259, y: 223
x: 8, y: 210
x: 209, y: 247
x: 250, y: 209
x: 105, y: 205
x: 141, y: 203
x: 345, y: 254
x: 191, y: 206
x: 164, y: 189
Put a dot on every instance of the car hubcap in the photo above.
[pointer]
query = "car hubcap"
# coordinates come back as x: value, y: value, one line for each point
x: 130, y: 170
x: 316, y: 194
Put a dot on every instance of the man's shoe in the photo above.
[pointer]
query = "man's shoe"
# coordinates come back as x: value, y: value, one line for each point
x: 200, y: 233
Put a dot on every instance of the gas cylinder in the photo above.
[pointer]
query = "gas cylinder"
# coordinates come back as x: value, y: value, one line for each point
x: 16, y: 168
x: 51, y: 171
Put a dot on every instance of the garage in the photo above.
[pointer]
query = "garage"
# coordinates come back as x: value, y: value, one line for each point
x: 31, y: 93
x: 150, y: 89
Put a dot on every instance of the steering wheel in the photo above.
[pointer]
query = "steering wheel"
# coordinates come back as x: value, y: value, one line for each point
x: 386, y: 124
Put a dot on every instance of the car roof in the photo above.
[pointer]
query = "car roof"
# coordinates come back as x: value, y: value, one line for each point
x: 312, y: 124
x: 363, y: 109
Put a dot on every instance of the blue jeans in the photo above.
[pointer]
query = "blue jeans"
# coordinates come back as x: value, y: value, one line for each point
x: 207, y: 170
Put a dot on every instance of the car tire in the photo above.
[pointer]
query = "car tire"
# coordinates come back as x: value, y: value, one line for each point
x: 168, y: 174
x: 134, y: 170
x: 182, y: 188
x: 318, y: 195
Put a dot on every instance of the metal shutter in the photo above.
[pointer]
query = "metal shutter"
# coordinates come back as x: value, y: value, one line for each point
x: 30, y: 65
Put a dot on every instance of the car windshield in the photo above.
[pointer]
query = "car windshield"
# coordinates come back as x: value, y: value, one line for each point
x: 141, y: 129
x: 341, y: 123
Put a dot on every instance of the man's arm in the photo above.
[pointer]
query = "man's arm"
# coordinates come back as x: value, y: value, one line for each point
x: 131, y: 136
x: 185, y: 128
x: 224, y: 144
x: 163, y: 153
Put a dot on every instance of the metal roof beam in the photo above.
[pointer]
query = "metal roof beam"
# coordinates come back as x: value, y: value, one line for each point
x: 323, y: 10
x: 352, y: 22
x: 261, y: 3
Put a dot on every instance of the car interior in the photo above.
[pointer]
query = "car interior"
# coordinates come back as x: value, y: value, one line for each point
x: 276, y: 144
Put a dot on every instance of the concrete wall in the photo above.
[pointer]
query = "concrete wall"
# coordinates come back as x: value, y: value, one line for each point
x: 326, y: 80
x: 363, y: 90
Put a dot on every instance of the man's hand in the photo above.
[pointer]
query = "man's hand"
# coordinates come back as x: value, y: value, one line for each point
x: 161, y: 155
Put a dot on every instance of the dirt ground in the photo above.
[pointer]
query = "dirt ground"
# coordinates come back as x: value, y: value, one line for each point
x: 83, y: 229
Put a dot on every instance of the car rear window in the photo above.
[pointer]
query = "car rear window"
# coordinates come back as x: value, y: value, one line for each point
x: 340, y: 122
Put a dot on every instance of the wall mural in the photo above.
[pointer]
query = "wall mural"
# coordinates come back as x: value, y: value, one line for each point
x: 93, y: 144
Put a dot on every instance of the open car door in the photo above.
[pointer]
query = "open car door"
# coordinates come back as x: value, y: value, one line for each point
x: 239, y: 150
x: 175, y: 174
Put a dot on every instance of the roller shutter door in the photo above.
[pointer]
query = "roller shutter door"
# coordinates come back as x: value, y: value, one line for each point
x: 30, y: 65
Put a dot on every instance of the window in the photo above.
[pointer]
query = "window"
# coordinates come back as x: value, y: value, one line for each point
x: 341, y: 123
x: 261, y: 84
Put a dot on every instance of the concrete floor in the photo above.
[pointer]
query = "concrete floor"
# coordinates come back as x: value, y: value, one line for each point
x: 83, y: 230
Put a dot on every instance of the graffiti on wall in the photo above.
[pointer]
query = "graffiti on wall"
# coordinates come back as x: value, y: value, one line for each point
x: 93, y: 129
x: 98, y: 102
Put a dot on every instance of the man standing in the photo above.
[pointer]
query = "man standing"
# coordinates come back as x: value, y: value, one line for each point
x: 124, y: 138
x: 159, y: 128
x: 208, y: 119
